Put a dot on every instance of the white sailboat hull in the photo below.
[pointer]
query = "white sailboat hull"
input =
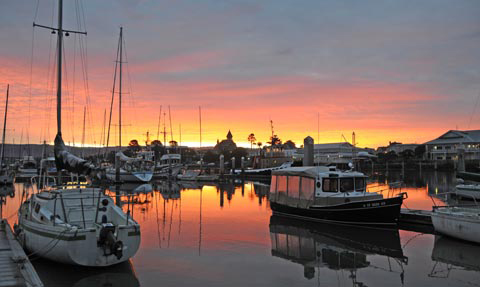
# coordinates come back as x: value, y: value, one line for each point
x: 79, y: 226
x: 468, y: 191
x: 457, y: 224
x: 76, y: 247
x: 134, y: 176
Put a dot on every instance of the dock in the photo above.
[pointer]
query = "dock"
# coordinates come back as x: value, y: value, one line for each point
x: 416, y: 220
x: 15, y: 267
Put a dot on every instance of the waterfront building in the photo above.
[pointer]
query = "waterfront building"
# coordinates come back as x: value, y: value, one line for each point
x: 447, y: 146
x: 397, y: 147
x: 226, y: 144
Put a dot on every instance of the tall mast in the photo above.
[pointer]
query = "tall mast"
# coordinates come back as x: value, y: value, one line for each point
x: 159, y: 120
x: 120, y: 93
x: 83, y: 131
x: 200, y: 116
x: 4, y: 128
x: 164, y: 129
x: 170, y: 120
x: 59, y: 67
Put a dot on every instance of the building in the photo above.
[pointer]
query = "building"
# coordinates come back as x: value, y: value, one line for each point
x: 335, y: 153
x: 397, y: 148
x: 226, y: 144
x: 447, y: 146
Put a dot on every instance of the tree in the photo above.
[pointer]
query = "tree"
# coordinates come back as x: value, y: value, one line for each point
x: 419, y: 151
x: 259, y: 144
x: 251, y: 139
x: 275, y: 140
x: 289, y: 145
x: 133, y: 146
x: 173, y: 143
x: 210, y: 156
x: 407, y: 154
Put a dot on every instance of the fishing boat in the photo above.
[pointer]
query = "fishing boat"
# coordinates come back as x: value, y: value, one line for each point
x: 169, y: 166
x: 75, y: 224
x: 326, y: 194
x: 127, y: 169
x: 458, y: 222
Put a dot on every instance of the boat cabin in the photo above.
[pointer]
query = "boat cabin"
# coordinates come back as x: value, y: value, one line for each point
x: 317, y: 185
x: 170, y: 158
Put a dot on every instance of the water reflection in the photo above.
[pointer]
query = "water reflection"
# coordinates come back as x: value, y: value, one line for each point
x: 336, y: 247
x: 451, y: 255
x: 56, y: 274
x: 216, y: 234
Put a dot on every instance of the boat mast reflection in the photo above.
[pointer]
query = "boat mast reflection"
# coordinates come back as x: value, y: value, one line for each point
x: 332, y: 246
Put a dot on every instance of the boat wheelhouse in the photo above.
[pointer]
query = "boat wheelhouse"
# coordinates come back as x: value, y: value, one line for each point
x: 327, y: 194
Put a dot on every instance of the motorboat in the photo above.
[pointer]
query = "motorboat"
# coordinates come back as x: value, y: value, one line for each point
x: 323, y: 193
x: 131, y: 170
x: 458, y: 222
x: 169, y: 166
x: 27, y: 167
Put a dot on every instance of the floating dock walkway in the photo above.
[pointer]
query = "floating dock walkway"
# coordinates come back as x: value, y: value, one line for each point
x: 15, y: 267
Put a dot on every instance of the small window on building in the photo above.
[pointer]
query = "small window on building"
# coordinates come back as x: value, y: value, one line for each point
x: 448, y: 147
x: 330, y: 185
x: 346, y: 184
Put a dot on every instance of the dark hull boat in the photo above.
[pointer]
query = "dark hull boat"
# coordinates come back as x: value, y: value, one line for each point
x: 326, y: 194
x: 373, y: 212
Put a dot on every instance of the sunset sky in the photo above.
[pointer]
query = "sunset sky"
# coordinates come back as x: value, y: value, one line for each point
x: 401, y: 70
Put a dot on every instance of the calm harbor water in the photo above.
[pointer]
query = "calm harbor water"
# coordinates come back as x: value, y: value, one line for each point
x: 217, y: 235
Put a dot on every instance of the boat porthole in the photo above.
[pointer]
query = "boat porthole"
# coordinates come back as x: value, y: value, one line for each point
x: 105, y: 202
x: 319, y: 184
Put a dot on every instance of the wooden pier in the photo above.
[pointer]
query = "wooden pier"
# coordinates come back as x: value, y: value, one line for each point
x: 15, y: 267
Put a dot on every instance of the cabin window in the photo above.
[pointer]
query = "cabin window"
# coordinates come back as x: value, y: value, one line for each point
x: 281, y: 189
x: 346, y: 184
x: 293, y: 186
x: 330, y: 185
x: 307, y: 190
x: 273, y: 185
x: 359, y: 184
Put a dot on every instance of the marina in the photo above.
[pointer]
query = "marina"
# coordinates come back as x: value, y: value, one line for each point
x: 269, y: 165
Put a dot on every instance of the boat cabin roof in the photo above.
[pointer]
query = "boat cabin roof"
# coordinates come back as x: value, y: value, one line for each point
x: 170, y: 156
x: 316, y: 172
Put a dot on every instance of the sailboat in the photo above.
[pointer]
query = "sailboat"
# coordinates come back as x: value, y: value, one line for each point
x: 74, y: 224
x: 132, y: 169
x: 6, y: 177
